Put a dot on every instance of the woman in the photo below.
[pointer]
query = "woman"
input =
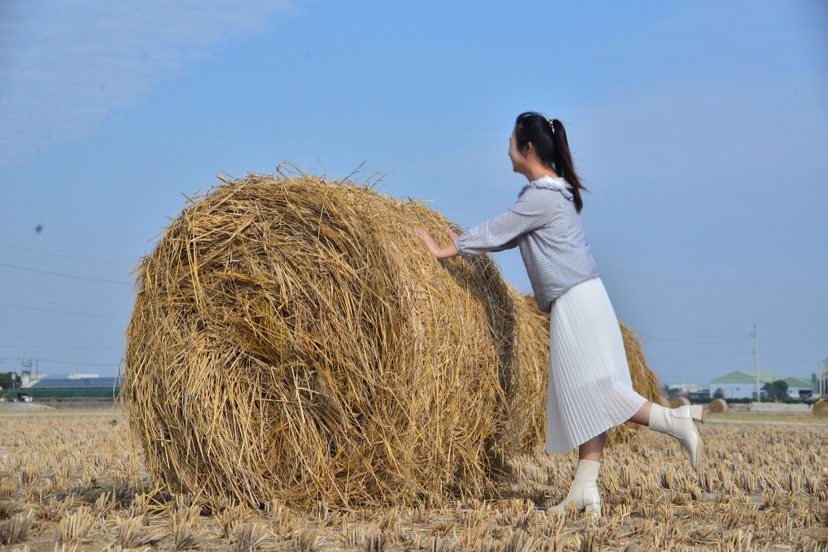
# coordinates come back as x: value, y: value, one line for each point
x: 590, y: 389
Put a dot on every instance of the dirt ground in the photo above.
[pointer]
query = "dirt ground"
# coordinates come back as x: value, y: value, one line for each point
x: 70, y: 480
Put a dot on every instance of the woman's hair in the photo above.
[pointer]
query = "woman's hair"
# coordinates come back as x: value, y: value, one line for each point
x: 549, y: 138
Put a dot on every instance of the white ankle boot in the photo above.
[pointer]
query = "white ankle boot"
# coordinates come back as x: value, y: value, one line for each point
x: 679, y: 422
x: 584, y: 490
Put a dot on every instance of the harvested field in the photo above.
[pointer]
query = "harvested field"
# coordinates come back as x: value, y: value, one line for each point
x: 74, y: 479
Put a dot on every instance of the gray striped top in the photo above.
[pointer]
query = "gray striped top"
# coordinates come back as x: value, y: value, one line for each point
x: 543, y: 222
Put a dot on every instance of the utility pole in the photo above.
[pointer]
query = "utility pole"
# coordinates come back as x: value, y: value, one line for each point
x: 756, y: 361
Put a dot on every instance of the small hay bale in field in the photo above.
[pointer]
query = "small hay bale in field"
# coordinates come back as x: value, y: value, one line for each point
x: 718, y: 405
x: 293, y: 339
x: 675, y: 402
x: 820, y: 408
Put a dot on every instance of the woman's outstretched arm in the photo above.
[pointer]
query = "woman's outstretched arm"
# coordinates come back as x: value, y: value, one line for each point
x: 532, y: 210
x: 439, y: 252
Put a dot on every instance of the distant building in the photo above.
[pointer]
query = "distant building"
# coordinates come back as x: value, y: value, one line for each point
x: 74, y: 387
x: 693, y: 391
x: 80, y: 375
x: 686, y: 387
x: 799, y: 388
x: 740, y: 384
x: 27, y: 379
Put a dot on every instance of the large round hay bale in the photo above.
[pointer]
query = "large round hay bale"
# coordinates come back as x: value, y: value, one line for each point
x: 820, y: 408
x: 677, y: 401
x: 718, y: 405
x: 292, y: 339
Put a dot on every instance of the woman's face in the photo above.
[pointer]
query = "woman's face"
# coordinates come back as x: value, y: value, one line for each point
x: 518, y: 160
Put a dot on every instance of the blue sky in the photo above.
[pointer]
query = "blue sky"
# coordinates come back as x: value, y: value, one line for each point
x: 699, y: 128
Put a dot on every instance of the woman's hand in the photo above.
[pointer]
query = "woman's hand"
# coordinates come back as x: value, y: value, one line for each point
x: 436, y: 250
x: 427, y: 239
x: 451, y: 234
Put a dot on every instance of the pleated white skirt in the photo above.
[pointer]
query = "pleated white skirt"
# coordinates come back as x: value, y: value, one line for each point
x: 590, y: 389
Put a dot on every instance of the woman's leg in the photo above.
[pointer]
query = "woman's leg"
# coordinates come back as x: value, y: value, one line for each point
x: 642, y: 417
x: 584, y: 488
x: 592, y: 449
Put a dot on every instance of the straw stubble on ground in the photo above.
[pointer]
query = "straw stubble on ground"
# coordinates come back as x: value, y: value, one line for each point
x: 763, y: 487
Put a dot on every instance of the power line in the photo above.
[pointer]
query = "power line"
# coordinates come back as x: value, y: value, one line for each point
x: 63, y: 255
x: 73, y: 363
x: 63, y: 362
x: 799, y: 359
x: 63, y: 275
x: 59, y: 311
x: 696, y: 340
x: 57, y: 348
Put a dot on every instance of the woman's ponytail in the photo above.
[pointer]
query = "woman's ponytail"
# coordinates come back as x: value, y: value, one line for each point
x: 549, y: 138
x: 563, y: 162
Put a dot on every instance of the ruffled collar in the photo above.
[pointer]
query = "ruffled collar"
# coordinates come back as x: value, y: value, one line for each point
x: 550, y: 183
